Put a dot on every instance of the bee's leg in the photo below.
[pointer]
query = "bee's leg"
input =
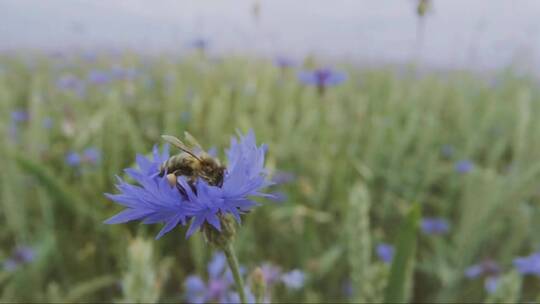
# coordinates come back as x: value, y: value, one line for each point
x: 171, y: 178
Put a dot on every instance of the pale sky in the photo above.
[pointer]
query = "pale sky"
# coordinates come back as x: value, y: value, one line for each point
x: 459, y: 33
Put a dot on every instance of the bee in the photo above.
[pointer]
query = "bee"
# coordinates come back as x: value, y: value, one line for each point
x: 191, y: 165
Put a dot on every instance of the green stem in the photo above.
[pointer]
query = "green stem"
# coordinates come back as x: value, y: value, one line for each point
x: 235, y: 269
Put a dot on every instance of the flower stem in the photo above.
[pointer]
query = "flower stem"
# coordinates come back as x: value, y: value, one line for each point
x: 235, y: 269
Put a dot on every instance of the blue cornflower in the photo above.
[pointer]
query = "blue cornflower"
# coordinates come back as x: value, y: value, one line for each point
x: 91, y: 155
x: 464, y: 166
x: 447, y: 151
x: 293, y: 279
x: 271, y: 273
x: 121, y: 73
x: 69, y: 82
x: 73, y: 159
x: 385, y: 252
x: 98, y: 77
x: 322, y: 78
x: 156, y: 200
x: 199, y: 44
x: 488, y: 269
x: 284, y: 62
x: 218, y: 287
x: 529, y: 264
x: 19, y: 116
x: 21, y: 255
x: 435, y: 225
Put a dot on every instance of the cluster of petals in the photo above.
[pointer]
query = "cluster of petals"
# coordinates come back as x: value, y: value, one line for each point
x: 154, y: 200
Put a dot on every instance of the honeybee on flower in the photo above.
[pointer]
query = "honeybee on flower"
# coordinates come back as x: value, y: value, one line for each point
x: 207, y: 201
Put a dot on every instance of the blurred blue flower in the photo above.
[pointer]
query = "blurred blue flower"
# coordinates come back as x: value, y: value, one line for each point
x: 435, y: 225
x: 491, y: 283
x: 19, y: 116
x: 121, y: 73
x: 271, y: 273
x: 73, y: 159
x: 91, y: 155
x: 474, y: 271
x: 98, y: 77
x: 447, y: 151
x: 322, y: 78
x: 195, y: 289
x: 529, y: 264
x: 155, y: 200
x: 21, y: 255
x: 284, y: 62
x: 385, y: 252
x: 199, y: 44
x: 69, y: 82
x: 464, y: 166
x: 293, y: 279
x: 218, y: 288
x: 347, y: 288
x: 488, y: 269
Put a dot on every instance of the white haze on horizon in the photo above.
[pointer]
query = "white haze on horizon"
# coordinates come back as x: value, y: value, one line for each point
x: 482, y: 34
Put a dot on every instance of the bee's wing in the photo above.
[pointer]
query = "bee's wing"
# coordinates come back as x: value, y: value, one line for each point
x: 192, y: 140
x: 179, y: 144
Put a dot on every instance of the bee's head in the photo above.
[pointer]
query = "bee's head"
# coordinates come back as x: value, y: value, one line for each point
x: 212, y: 171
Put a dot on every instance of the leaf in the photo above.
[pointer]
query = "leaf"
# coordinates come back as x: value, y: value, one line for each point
x: 89, y: 287
x: 401, y: 269
x: 58, y: 191
x: 329, y: 259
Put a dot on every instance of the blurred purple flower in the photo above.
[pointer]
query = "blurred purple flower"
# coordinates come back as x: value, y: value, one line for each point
x: 529, y: 264
x: 20, y: 256
x: 271, y: 273
x: 293, y: 279
x: 218, y: 288
x: 347, y: 288
x: 435, y: 226
x: 91, y: 156
x: 322, y: 78
x: 73, y: 159
x: 19, y: 116
x: 464, y: 166
x: 385, y: 252
x: 98, y: 77
x: 284, y: 62
x: 447, y: 151
x: 199, y: 44
x: 488, y: 269
x: 69, y: 82
x: 491, y: 283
